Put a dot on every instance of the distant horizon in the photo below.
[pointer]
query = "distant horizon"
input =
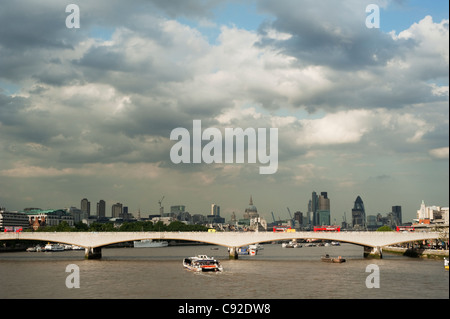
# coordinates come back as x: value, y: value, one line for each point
x: 266, y: 216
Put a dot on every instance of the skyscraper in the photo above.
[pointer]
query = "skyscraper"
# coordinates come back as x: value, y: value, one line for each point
x: 116, y: 210
x: 85, y: 208
x: 312, y: 209
x: 215, y: 210
x: 359, y: 214
x: 323, y: 209
x: 397, y: 212
x: 101, y: 208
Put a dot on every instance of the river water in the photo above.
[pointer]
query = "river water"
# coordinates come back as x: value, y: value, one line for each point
x: 274, y: 273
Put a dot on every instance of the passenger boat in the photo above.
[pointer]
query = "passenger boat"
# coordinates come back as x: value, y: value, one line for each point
x: 53, y: 247
x: 291, y: 244
x: 148, y: 243
x: 329, y: 259
x: 34, y: 249
x: 446, y: 263
x: 202, y: 263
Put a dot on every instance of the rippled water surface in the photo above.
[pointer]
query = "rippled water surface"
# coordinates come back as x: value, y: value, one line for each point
x: 276, y: 272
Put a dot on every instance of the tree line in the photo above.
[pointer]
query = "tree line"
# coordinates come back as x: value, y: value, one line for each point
x: 126, y: 226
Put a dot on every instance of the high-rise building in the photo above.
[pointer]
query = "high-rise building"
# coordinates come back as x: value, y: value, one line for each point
x: 359, y: 214
x: 116, y: 210
x: 85, y: 208
x: 397, y: 212
x: 101, y: 208
x: 319, y: 209
x: 323, y: 209
x: 215, y: 210
x: 312, y: 209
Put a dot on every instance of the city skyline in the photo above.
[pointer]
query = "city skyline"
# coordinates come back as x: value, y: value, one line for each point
x: 312, y: 213
x: 87, y: 112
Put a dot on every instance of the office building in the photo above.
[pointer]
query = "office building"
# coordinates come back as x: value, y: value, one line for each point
x: 323, y: 209
x: 85, y: 208
x: 215, y: 210
x: 116, y: 210
x: 359, y: 214
x: 397, y: 214
x: 101, y: 208
x: 13, y: 221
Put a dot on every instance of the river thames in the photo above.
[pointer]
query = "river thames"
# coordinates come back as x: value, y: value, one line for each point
x: 274, y: 273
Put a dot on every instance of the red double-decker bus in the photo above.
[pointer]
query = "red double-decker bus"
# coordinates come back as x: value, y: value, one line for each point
x: 327, y: 228
x: 405, y: 228
x: 280, y: 229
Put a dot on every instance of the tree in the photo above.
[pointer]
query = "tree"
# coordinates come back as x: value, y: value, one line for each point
x: 384, y: 228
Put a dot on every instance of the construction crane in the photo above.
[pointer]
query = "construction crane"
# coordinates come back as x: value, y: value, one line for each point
x: 293, y: 220
x: 161, y: 209
x: 273, y: 217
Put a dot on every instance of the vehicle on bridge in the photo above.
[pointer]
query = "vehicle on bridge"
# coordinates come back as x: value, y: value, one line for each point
x: 282, y: 229
x: 327, y: 228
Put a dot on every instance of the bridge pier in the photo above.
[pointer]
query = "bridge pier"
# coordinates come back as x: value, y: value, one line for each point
x: 373, y: 252
x: 233, y: 252
x: 93, y: 253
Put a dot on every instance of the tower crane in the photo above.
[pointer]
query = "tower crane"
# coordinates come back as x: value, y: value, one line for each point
x: 161, y: 209
x: 293, y: 220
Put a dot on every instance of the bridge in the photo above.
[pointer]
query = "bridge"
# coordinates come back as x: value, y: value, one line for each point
x: 94, y: 241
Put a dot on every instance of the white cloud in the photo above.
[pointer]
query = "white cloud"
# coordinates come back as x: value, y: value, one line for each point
x: 440, y: 153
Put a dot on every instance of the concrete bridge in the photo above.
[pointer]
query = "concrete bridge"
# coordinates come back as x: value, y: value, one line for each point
x: 94, y: 241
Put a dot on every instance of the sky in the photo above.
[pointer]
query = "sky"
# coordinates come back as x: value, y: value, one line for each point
x: 88, y: 112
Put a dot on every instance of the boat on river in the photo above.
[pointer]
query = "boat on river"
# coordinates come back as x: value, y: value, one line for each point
x: 202, y: 263
x: 34, y: 249
x: 291, y: 244
x: 446, y: 263
x: 329, y: 259
x: 53, y: 247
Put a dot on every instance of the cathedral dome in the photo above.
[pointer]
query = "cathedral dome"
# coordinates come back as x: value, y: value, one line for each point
x: 251, y: 211
x: 251, y: 208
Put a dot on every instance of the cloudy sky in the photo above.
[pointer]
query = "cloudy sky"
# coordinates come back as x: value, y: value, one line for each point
x: 88, y: 112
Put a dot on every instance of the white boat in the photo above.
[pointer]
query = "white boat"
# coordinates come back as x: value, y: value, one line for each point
x: 335, y: 243
x: 446, y: 263
x: 256, y: 246
x: 202, y: 263
x: 77, y: 247
x: 291, y: 244
x: 35, y: 248
x: 54, y: 247
x: 148, y: 243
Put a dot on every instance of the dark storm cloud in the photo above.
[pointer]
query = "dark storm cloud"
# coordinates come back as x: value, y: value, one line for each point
x: 331, y: 33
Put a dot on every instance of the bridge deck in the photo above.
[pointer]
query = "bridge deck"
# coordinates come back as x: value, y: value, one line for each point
x: 227, y: 239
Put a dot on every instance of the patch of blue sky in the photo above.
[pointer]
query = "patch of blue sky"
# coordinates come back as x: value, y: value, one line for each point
x: 102, y: 33
x: 400, y: 15
x: 9, y: 88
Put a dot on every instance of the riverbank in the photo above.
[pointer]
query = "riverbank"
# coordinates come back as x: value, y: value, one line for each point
x: 417, y: 253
